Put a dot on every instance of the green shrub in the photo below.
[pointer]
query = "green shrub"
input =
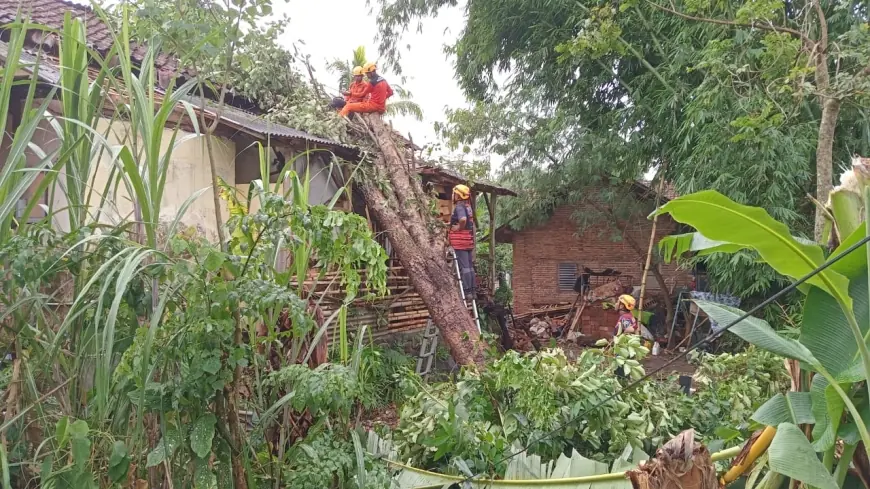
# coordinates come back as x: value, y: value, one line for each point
x: 545, y: 401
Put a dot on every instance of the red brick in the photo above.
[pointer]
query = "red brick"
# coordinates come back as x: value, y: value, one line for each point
x: 537, y: 251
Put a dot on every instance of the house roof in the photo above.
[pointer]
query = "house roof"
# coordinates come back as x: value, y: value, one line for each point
x: 451, y: 177
x: 260, y: 127
x: 50, y: 13
x: 254, y: 125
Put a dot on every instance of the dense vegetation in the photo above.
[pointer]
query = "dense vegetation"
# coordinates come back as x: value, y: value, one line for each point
x: 142, y: 354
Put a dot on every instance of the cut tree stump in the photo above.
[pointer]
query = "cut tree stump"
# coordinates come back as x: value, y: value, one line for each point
x: 396, y: 200
x: 681, y: 463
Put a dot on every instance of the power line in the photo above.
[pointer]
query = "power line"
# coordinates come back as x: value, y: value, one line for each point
x: 712, y: 337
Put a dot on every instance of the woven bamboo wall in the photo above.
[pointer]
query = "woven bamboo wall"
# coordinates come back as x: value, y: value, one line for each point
x: 401, y: 311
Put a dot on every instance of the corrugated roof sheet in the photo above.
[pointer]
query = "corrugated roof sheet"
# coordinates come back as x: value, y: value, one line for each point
x: 453, y: 177
x: 256, y: 123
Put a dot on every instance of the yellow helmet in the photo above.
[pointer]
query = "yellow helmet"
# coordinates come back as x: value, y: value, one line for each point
x: 627, y: 301
x: 357, y: 71
x: 370, y: 67
x: 462, y: 192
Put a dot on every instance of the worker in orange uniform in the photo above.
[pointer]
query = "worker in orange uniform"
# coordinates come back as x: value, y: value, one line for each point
x: 379, y: 91
x: 356, y: 92
x: 358, y: 89
x: 461, y: 236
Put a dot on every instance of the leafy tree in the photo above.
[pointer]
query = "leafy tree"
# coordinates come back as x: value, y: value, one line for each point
x: 615, y: 90
x: 236, y: 55
x: 403, y: 106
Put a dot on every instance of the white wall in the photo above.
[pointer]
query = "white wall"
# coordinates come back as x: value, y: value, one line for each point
x: 188, y: 172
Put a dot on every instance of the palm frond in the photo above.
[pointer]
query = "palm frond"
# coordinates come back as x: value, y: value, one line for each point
x: 405, y: 108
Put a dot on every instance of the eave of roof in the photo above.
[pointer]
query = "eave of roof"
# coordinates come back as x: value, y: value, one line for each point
x: 49, y: 73
x: 255, y: 124
x: 454, y: 178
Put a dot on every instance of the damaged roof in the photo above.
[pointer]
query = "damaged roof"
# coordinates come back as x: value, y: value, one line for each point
x: 258, y: 126
x: 452, y: 177
x: 48, y: 72
x: 50, y: 13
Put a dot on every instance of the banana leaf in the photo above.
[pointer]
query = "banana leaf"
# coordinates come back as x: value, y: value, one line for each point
x: 526, y: 471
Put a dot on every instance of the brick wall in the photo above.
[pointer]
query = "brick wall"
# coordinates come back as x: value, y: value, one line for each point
x: 538, y: 251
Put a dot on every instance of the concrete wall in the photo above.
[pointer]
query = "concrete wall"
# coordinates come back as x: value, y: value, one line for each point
x: 538, y: 251
x: 323, y: 176
x: 188, y: 172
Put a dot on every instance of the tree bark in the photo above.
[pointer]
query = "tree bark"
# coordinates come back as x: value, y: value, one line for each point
x: 825, y: 160
x: 397, y: 202
x: 828, y: 124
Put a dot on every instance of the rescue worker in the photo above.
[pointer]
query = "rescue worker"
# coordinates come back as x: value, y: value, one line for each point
x: 378, y: 91
x: 358, y: 89
x: 356, y: 92
x: 626, y: 324
x: 461, y: 236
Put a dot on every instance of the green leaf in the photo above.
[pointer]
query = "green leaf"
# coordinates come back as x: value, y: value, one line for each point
x: 202, y: 434
x: 674, y: 246
x: 165, y: 448
x: 203, y: 477
x: 721, y: 219
x: 212, y: 365
x: 81, y: 451
x: 757, y: 332
x: 825, y: 330
x: 794, y: 407
x: 848, y: 211
x: 61, y: 431
x: 828, y: 410
x: 214, y: 260
x: 79, y: 429
x: 792, y: 456
x: 119, y: 462
x: 856, y: 261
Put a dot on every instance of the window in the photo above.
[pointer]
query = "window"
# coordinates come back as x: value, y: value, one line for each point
x: 567, y: 276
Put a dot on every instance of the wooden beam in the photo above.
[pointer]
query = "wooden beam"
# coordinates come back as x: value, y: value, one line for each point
x: 490, y: 203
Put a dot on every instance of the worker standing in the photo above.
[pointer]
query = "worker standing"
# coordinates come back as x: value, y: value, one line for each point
x: 461, y: 236
x: 626, y: 323
x: 378, y: 92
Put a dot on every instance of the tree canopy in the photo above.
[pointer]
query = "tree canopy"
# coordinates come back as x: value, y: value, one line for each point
x: 613, y: 90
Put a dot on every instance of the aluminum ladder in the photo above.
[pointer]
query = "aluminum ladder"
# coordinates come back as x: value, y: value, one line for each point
x: 429, y: 344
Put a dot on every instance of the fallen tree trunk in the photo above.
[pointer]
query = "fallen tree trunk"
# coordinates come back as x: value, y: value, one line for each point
x: 396, y: 200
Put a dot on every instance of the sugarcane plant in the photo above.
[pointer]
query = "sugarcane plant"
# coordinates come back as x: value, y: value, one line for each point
x: 813, y: 435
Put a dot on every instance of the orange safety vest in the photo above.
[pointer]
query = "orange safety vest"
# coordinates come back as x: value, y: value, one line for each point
x: 463, y: 239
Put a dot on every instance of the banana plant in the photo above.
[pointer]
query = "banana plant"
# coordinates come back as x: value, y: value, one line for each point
x: 832, y: 347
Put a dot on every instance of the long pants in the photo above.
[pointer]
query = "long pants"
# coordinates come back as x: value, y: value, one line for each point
x: 361, y: 107
x: 466, y: 270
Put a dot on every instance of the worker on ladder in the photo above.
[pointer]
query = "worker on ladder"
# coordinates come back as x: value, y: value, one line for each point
x: 461, y: 236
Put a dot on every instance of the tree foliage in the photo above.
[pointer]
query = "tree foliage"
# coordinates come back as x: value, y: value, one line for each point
x: 579, y: 92
x: 228, y: 45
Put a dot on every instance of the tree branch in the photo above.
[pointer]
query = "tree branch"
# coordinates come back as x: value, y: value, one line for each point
x: 823, y: 27
x: 732, y: 23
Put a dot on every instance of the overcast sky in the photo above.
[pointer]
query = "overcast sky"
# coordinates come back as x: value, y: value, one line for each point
x: 334, y: 28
